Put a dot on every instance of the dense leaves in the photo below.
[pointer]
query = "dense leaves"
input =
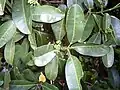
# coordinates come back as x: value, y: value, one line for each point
x: 49, y: 46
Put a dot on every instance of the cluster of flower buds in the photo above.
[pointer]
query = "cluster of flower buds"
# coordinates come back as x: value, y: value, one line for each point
x: 33, y: 2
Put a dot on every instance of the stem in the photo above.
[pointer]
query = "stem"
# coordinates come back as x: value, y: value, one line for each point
x: 108, y: 10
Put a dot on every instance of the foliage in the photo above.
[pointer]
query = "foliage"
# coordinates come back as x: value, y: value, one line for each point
x: 56, y: 47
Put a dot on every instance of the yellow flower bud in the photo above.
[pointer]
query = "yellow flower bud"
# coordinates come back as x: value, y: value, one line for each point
x: 42, y: 78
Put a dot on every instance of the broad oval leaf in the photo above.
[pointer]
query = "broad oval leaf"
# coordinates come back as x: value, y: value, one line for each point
x: 92, y: 49
x: 73, y: 78
x: 46, y: 14
x: 9, y: 52
x: 74, y: 23
x: 108, y: 59
x: 116, y: 27
x: 89, y: 25
x: 21, y: 16
x: 44, y: 59
x: 59, y: 29
x: 2, y: 6
x: 7, y: 30
x: 51, y: 69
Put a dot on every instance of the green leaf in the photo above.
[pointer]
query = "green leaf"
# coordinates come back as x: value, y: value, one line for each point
x: 16, y: 74
x: 21, y: 16
x: 29, y: 75
x: 7, y: 80
x: 44, y: 59
x: 43, y: 55
x: 71, y: 2
x: 43, y: 49
x: 92, y: 49
x: 47, y: 14
x: 108, y: 59
x: 1, y: 83
x: 51, y: 69
x: 89, y: 25
x: 47, y: 86
x: 21, y: 85
x: 74, y: 23
x: 116, y: 27
x: 106, y: 21
x: 98, y: 20
x: 89, y: 3
x: 2, y: 6
x: 25, y: 46
x: 96, y: 38
x: 18, y: 36
x: 32, y: 40
x: 7, y: 31
x: 114, y: 78
x: 9, y: 52
x: 59, y: 29
x: 73, y: 73
x: 42, y: 38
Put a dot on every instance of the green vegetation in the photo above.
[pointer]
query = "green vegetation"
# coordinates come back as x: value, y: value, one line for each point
x: 70, y: 46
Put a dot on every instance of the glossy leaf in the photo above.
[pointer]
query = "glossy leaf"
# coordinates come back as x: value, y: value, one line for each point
x: 2, y: 6
x: 9, y: 52
x: 47, y: 86
x: 51, y: 69
x: 44, y: 59
x: 95, y: 38
x: 73, y: 78
x: 59, y: 29
x: 89, y: 25
x: 21, y: 16
x: 21, y: 85
x: 116, y: 27
x: 7, y: 30
x: 74, y: 23
x: 47, y: 14
x: 18, y: 36
x: 92, y: 49
x: 108, y: 59
x: 43, y: 55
